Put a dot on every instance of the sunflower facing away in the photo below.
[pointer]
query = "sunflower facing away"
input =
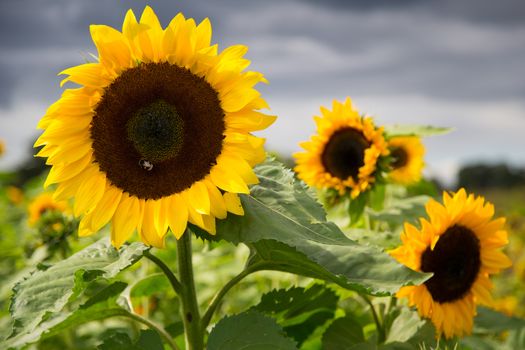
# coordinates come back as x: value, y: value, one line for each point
x: 407, y: 159
x: 343, y: 155
x: 42, y: 204
x: 460, y: 244
x: 158, y: 134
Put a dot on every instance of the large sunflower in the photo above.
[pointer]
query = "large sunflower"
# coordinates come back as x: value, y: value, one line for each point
x: 343, y: 155
x: 407, y: 159
x: 158, y: 134
x: 460, y: 244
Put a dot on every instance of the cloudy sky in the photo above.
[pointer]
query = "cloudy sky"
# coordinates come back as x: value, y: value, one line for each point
x: 458, y: 63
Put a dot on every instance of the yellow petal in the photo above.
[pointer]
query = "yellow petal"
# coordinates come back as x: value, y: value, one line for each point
x: 233, y: 203
x: 148, y: 232
x: 88, y: 74
x: 198, y: 198
x: 106, y: 207
x: 228, y: 180
x: 177, y: 215
x: 90, y: 191
x: 125, y: 220
x: 217, y: 204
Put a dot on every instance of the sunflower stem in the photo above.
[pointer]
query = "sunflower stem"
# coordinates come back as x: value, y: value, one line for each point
x: 190, y: 307
x: 380, y: 329
x: 215, y: 302
x: 175, y: 284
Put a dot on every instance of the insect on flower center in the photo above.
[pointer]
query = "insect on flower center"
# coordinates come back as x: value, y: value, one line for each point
x: 455, y: 262
x: 156, y: 131
x: 399, y: 157
x: 344, y: 154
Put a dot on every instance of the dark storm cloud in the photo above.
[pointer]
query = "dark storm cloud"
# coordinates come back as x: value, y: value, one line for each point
x: 502, y: 12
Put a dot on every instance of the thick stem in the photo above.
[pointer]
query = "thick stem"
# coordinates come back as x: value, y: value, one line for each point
x: 214, y: 303
x: 165, y: 335
x: 175, y: 284
x: 190, y: 308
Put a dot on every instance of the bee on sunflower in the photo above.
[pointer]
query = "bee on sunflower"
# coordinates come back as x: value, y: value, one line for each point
x: 345, y: 155
x: 407, y: 162
x: 159, y: 132
x: 461, y: 245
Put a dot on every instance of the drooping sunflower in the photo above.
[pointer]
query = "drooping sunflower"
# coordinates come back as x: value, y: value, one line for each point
x: 44, y: 203
x: 344, y: 153
x: 159, y: 133
x: 407, y: 159
x: 460, y: 244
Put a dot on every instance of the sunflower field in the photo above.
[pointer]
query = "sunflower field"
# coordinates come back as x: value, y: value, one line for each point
x: 160, y: 221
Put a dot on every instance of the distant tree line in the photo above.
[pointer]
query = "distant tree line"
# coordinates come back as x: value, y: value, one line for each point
x: 479, y: 176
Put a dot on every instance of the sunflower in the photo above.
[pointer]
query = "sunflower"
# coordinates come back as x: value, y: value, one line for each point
x: 344, y: 153
x: 460, y: 244
x: 407, y: 159
x: 42, y: 204
x: 2, y: 148
x: 14, y: 194
x: 159, y: 132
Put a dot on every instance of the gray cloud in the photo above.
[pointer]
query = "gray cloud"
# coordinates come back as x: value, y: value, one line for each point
x: 444, y: 62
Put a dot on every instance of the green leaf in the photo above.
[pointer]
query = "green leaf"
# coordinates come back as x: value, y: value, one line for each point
x: 414, y: 130
x: 404, y: 327
x: 149, y: 285
x: 298, y: 310
x: 356, y: 207
x: 492, y: 321
x: 150, y: 340
x: 118, y: 341
x: 401, y: 210
x: 46, y: 293
x: 282, y: 210
x: 251, y: 331
x: 344, y: 333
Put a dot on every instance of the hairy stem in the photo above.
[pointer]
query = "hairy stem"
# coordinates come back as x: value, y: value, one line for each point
x: 215, y: 302
x: 190, y: 307
x: 175, y: 284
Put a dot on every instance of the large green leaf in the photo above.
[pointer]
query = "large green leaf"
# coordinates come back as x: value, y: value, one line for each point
x: 492, y: 321
x: 100, y: 306
x: 46, y: 292
x: 282, y: 210
x: 345, y: 333
x: 300, y: 310
x: 414, y: 130
x: 250, y: 331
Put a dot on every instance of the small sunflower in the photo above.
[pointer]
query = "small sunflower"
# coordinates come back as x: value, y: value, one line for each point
x: 2, y: 148
x: 159, y: 133
x: 42, y: 204
x: 460, y: 244
x: 15, y: 195
x: 344, y: 153
x: 407, y: 159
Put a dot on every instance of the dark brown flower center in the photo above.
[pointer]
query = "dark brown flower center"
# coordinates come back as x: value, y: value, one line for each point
x: 399, y: 157
x: 157, y: 129
x: 344, y: 153
x: 455, y: 262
